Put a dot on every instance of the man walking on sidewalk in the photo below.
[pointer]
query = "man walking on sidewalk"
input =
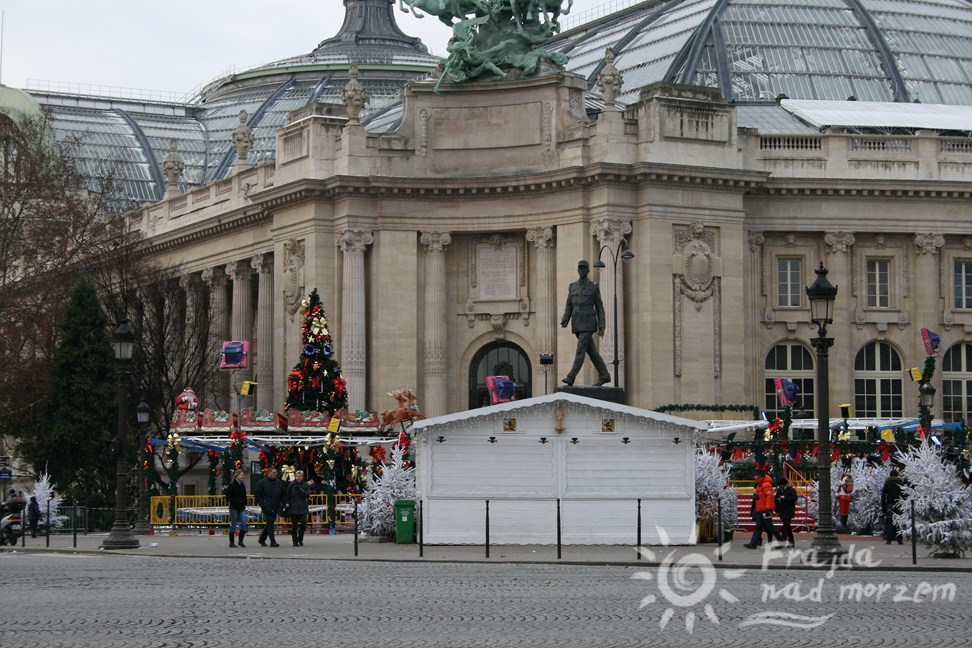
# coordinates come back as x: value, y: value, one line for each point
x: 765, y: 496
x: 269, y: 495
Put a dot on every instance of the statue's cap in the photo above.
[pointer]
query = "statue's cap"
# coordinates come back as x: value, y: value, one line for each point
x: 583, y: 264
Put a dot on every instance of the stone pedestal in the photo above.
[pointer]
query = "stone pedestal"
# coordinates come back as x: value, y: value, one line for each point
x: 610, y: 394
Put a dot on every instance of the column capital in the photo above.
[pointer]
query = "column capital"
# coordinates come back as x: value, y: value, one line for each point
x: 262, y: 263
x: 756, y: 241
x: 838, y: 241
x: 436, y: 241
x: 189, y: 282
x: 238, y: 270
x: 610, y: 231
x: 541, y: 237
x: 928, y: 243
x: 214, y: 276
x: 354, y: 240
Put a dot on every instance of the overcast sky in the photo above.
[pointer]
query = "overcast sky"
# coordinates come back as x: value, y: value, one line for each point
x: 178, y: 45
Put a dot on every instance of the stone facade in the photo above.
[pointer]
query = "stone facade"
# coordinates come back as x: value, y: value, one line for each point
x: 460, y: 233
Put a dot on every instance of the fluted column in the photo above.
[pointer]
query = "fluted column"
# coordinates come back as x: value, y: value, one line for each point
x: 543, y: 240
x: 354, y: 357
x: 216, y: 280
x: 192, y: 341
x: 436, y: 337
x: 610, y: 233
x: 241, y: 320
x: 263, y: 265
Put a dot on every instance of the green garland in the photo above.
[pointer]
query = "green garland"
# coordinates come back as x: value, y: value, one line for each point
x: 696, y: 407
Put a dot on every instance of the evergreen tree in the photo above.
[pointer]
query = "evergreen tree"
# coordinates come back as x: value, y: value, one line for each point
x: 315, y: 382
x: 72, y: 444
x: 376, y: 512
x: 943, y: 505
x: 865, y: 512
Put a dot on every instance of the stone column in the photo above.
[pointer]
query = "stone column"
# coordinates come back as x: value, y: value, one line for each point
x: 191, y: 340
x: 216, y: 280
x: 610, y: 233
x: 436, y: 337
x: 546, y: 317
x: 354, y: 357
x: 263, y: 265
x: 241, y: 321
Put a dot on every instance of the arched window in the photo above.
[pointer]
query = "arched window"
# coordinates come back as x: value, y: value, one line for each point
x: 793, y: 361
x: 500, y: 358
x: 957, y: 383
x: 877, y: 381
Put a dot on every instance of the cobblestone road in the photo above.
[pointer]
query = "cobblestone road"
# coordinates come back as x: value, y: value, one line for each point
x: 129, y: 601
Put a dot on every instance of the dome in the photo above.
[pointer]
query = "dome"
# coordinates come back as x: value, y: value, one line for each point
x: 758, y: 50
x: 17, y: 103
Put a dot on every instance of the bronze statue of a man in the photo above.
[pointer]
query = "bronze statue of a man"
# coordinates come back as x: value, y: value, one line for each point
x: 585, y: 312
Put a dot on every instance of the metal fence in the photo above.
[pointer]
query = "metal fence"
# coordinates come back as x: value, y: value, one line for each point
x: 212, y: 511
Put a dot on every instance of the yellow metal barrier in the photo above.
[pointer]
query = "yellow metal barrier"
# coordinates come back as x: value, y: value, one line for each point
x: 212, y: 511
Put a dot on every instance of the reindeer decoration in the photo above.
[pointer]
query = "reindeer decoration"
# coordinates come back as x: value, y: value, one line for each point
x: 407, y: 410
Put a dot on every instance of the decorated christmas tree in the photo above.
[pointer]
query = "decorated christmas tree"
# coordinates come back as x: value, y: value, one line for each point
x: 315, y: 382
x: 943, y: 504
x: 712, y: 489
x: 46, y: 497
x: 376, y: 513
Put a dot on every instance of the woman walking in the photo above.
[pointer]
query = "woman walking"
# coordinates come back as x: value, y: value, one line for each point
x: 236, y: 497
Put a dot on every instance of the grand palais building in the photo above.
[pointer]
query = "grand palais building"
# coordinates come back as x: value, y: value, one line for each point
x: 749, y: 141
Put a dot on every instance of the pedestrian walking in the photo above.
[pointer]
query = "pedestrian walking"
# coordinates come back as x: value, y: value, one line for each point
x: 33, y: 515
x: 844, y: 496
x: 765, y: 504
x: 269, y: 494
x: 298, y: 506
x: 891, y: 494
x: 786, y: 498
x: 236, y: 498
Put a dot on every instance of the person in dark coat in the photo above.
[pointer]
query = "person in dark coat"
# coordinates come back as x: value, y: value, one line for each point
x: 765, y: 503
x: 891, y: 494
x: 33, y: 515
x: 298, y: 506
x: 236, y: 498
x: 269, y: 494
x: 585, y: 313
x: 786, y: 498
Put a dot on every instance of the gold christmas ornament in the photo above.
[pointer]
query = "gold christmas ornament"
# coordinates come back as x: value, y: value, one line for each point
x: 330, y: 464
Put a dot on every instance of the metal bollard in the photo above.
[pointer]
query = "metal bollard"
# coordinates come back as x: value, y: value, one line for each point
x: 421, y: 538
x: 48, y: 529
x: 558, y: 529
x: 487, y: 528
x: 719, y: 523
x: 355, y: 526
x: 74, y: 524
x: 914, y: 536
x: 638, y: 552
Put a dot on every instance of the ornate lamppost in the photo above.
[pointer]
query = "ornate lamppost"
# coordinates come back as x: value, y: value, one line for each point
x: 616, y: 255
x: 926, y: 400
x: 142, y: 414
x: 121, y: 536
x: 822, y: 295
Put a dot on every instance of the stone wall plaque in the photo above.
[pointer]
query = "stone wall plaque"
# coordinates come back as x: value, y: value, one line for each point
x: 496, y: 272
x: 485, y: 127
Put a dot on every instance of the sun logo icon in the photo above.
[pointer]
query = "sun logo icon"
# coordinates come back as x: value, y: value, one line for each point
x: 685, y: 583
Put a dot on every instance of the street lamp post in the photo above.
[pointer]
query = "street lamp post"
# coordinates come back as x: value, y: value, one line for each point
x: 142, y: 413
x: 822, y: 295
x: 926, y: 400
x: 616, y: 255
x: 121, y: 536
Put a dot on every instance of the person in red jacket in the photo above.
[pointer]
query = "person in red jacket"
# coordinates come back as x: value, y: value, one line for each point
x: 845, y: 493
x: 765, y: 496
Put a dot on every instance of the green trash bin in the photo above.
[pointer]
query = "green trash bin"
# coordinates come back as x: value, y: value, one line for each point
x: 404, y: 521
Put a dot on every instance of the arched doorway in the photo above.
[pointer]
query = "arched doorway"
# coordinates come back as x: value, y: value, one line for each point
x: 500, y: 358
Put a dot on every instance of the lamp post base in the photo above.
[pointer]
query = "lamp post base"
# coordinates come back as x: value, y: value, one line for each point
x: 825, y: 546
x: 141, y: 528
x: 120, y: 538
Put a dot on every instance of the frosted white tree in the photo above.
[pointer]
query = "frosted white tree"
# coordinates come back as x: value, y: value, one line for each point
x: 45, y: 494
x: 943, y: 505
x: 865, y: 512
x: 376, y: 512
x: 712, y: 486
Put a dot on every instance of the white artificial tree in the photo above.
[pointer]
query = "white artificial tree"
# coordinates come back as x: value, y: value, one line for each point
x: 712, y: 486
x: 45, y: 495
x: 376, y: 512
x: 869, y: 478
x: 943, y: 505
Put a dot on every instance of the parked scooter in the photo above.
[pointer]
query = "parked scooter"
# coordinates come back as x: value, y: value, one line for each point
x: 11, y: 522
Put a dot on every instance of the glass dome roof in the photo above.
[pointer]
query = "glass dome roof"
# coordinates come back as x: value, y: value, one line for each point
x: 757, y: 50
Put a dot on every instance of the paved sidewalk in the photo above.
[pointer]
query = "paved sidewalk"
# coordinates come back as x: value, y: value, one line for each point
x: 863, y: 551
